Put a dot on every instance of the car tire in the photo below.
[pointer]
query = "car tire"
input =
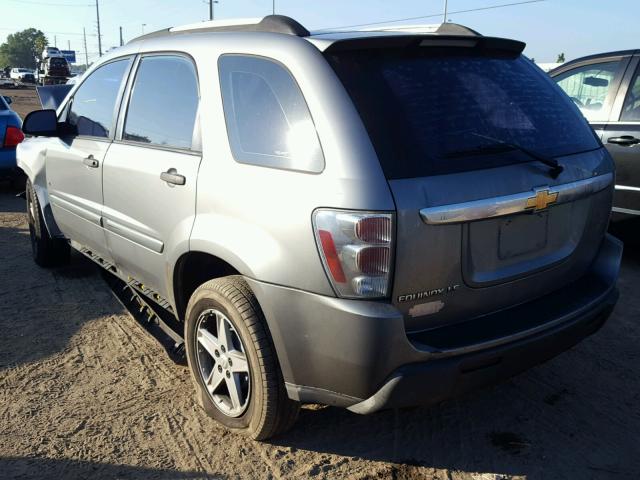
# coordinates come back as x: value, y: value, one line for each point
x: 47, y: 252
x: 262, y: 408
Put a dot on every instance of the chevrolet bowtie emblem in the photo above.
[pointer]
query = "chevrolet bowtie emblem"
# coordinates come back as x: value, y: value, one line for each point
x: 542, y: 199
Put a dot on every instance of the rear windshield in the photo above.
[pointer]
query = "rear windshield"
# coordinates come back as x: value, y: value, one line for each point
x: 58, y: 62
x: 424, y: 108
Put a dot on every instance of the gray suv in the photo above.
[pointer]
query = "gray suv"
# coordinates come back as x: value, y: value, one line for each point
x: 366, y: 220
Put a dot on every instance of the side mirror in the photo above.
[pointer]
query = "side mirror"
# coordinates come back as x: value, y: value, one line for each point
x: 9, y: 100
x: 41, y: 123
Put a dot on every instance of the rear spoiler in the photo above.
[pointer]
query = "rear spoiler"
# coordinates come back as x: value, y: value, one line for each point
x: 514, y: 47
x: 51, y: 96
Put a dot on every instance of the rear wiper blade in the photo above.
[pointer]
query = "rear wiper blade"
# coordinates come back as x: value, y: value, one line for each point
x: 556, y: 168
x: 481, y: 150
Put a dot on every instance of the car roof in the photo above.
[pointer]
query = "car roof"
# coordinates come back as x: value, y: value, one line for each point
x: 595, y: 56
x: 331, y: 39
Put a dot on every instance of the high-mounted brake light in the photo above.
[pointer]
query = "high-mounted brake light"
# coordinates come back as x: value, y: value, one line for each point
x: 355, y: 248
x: 12, y: 136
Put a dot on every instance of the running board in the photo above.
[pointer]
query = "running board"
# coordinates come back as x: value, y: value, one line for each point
x: 152, y: 317
x: 150, y: 309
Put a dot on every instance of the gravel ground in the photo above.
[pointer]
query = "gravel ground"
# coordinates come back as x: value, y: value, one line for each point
x: 86, y: 392
x: 24, y: 99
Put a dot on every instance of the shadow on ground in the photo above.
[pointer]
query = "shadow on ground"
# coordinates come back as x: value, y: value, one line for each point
x: 34, y: 468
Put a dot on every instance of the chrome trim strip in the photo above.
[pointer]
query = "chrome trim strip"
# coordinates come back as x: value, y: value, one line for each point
x: 627, y: 187
x: 626, y: 210
x: 516, y: 203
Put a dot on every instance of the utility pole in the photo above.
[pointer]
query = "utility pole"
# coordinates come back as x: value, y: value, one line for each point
x: 121, y: 41
x: 212, y: 13
x: 273, y: 7
x: 86, y: 54
x: 444, y: 18
x: 55, y: 41
x: 99, y: 37
x: 68, y: 44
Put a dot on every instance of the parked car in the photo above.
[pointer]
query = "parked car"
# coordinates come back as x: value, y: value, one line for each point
x: 50, y: 52
x: 359, y: 219
x: 10, y: 136
x: 20, y: 73
x: 6, y: 82
x: 606, y: 88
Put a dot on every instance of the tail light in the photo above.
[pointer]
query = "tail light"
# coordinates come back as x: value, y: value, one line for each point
x: 356, y: 250
x: 12, y: 136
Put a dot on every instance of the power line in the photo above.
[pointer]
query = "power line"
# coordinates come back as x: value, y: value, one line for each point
x: 49, y: 32
x: 434, y: 15
x: 28, y: 2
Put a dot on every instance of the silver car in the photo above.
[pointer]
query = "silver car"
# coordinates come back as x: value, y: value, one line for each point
x: 366, y: 220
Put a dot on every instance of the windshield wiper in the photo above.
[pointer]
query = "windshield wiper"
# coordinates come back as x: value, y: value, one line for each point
x: 500, y: 146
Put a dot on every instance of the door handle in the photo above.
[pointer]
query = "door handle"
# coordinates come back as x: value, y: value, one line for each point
x: 172, y: 177
x: 91, y: 162
x: 625, y: 140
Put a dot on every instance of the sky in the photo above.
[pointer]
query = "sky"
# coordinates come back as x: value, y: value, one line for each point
x: 575, y: 27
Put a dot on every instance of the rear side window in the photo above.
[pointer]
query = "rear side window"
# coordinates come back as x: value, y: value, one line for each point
x: 164, y: 102
x: 268, y: 121
x: 91, y: 111
x: 433, y: 111
x: 589, y: 87
x: 631, y: 108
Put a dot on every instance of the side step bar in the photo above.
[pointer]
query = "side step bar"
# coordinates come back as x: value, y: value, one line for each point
x: 151, y: 316
x: 152, y: 311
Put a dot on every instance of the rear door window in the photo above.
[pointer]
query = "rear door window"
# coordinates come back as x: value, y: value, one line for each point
x: 423, y: 108
x: 92, y: 108
x: 590, y: 87
x: 631, y: 107
x: 268, y: 121
x: 164, y: 102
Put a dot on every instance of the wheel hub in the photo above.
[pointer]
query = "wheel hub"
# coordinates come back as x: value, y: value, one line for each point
x: 222, y: 363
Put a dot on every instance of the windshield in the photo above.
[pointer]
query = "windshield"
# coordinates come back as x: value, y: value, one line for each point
x: 423, y: 108
x: 58, y: 62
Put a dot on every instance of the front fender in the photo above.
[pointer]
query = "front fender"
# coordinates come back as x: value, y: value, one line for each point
x: 30, y: 156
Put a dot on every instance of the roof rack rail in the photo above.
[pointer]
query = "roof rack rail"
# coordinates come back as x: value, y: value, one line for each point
x: 270, y: 23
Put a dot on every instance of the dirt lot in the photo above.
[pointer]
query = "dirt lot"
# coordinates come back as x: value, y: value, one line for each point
x: 87, y: 393
x: 25, y: 99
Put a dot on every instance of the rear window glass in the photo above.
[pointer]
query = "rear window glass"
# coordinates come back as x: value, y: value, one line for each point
x: 268, y: 121
x: 423, y: 108
x: 58, y: 62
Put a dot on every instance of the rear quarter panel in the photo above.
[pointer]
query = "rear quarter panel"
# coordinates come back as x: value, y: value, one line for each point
x: 259, y: 219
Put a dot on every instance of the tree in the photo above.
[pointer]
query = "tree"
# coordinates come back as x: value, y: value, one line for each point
x: 560, y: 58
x: 21, y: 48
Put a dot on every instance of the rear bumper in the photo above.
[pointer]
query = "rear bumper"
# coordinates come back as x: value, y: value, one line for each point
x: 356, y: 354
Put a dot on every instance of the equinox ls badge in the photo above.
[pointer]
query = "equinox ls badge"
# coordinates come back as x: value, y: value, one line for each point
x: 541, y: 200
x: 410, y: 297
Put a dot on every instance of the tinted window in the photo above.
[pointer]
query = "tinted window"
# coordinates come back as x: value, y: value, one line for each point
x: 589, y: 87
x: 631, y: 108
x: 423, y: 108
x: 164, y: 102
x: 268, y: 120
x: 58, y: 62
x: 93, y: 103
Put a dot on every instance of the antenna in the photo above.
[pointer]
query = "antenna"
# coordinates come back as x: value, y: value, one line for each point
x: 99, y: 38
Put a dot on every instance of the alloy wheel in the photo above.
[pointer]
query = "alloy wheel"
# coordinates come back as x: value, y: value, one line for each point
x: 222, y: 363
